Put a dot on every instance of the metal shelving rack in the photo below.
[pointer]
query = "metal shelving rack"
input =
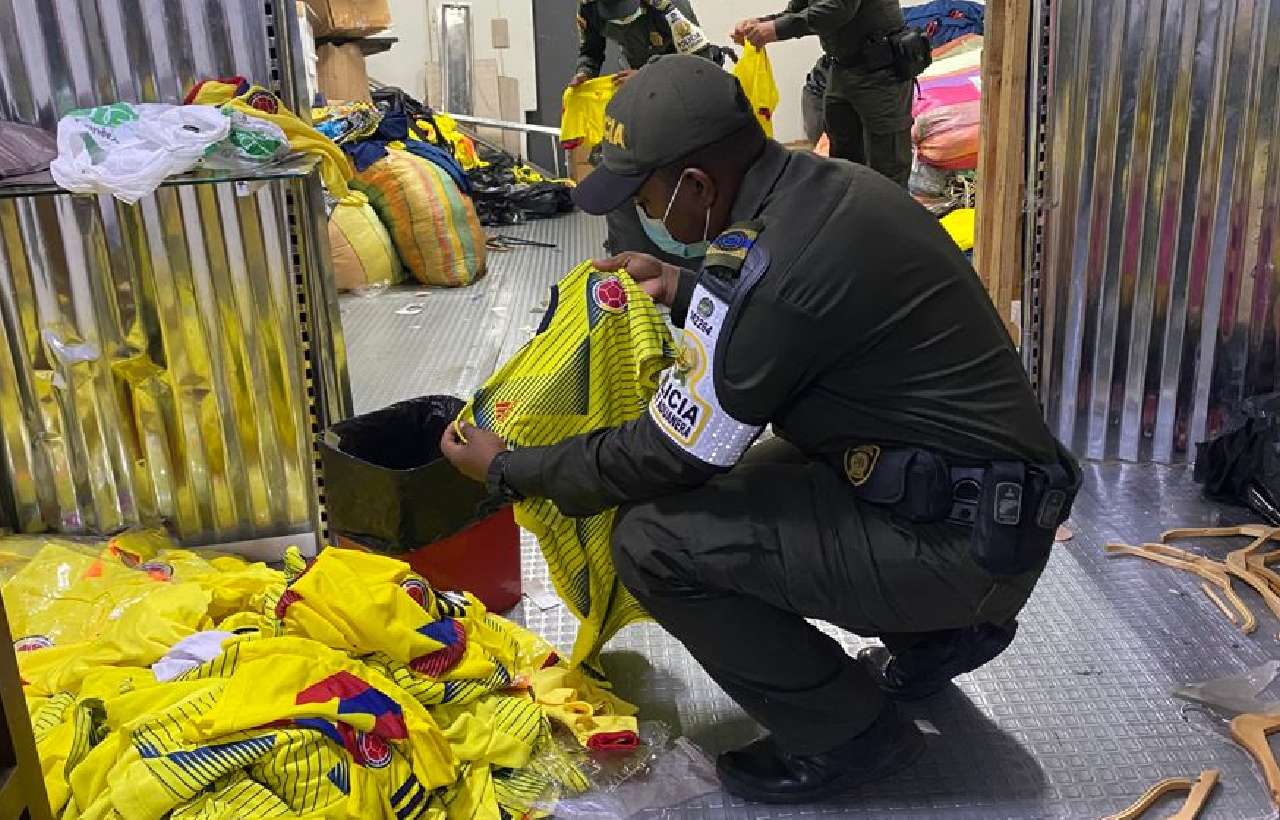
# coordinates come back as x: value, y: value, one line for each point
x: 80, y: 264
x: 76, y: 460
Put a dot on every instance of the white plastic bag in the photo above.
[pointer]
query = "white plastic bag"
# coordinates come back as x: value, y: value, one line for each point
x: 251, y: 143
x: 127, y: 150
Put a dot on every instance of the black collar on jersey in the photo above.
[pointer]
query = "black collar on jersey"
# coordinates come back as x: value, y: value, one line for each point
x: 759, y: 182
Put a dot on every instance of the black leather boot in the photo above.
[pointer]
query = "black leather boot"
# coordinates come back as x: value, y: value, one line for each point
x: 925, y: 667
x: 764, y: 773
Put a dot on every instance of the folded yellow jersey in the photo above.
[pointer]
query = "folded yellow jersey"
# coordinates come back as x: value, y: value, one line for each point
x: 256, y: 101
x: 594, y: 363
x: 960, y: 225
x: 582, y: 112
x: 597, y: 718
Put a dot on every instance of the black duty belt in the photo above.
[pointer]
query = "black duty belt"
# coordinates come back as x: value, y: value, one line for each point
x: 1013, y: 508
x: 968, y: 485
x: 876, y: 54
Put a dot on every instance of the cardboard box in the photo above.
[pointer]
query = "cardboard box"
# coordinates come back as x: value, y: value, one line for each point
x: 342, y: 73
x: 350, y: 18
x: 580, y: 163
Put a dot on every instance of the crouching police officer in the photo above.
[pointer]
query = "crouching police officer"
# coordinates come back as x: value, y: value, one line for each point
x: 867, y: 108
x: 913, y: 489
x: 643, y: 29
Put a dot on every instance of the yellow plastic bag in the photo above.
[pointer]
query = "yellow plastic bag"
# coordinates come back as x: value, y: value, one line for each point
x: 959, y: 224
x: 363, y: 254
x: 755, y: 73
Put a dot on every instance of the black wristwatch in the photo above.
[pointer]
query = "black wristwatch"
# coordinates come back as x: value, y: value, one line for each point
x: 496, y: 482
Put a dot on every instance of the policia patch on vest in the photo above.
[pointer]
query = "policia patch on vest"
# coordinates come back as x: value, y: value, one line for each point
x: 686, y: 406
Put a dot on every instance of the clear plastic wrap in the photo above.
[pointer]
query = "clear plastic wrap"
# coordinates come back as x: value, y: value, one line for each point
x: 663, y: 772
x: 928, y: 180
x: 1235, y: 694
x: 1211, y: 705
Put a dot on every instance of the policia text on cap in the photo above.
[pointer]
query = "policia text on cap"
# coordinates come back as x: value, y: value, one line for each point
x: 912, y: 492
x: 867, y: 108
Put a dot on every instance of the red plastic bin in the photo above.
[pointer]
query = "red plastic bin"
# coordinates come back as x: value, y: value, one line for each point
x: 483, y: 559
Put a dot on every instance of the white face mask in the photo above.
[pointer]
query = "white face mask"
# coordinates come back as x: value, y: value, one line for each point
x: 657, y: 231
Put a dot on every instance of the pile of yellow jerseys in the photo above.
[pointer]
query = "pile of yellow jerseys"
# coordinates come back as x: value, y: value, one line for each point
x: 347, y: 688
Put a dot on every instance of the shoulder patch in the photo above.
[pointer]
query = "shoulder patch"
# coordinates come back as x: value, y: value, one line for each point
x: 729, y: 250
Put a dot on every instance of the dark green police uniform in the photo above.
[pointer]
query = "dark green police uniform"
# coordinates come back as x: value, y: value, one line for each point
x: 812, y: 96
x: 645, y: 37
x: 838, y: 311
x: 867, y: 109
x: 648, y: 35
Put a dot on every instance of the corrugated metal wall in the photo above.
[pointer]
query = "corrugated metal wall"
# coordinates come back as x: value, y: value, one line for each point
x: 150, y: 367
x: 1162, y: 208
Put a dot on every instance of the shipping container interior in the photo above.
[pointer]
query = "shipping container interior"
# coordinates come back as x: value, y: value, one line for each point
x: 1137, y: 244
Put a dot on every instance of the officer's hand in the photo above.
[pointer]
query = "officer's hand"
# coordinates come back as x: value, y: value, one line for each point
x: 579, y: 78
x: 623, y: 75
x: 654, y: 276
x: 739, y: 33
x: 761, y: 33
x: 473, y: 455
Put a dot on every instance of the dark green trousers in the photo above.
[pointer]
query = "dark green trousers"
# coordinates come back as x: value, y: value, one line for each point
x: 734, y: 568
x: 868, y: 119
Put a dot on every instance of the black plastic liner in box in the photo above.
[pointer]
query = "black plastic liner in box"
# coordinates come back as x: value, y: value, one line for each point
x: 387, y: 485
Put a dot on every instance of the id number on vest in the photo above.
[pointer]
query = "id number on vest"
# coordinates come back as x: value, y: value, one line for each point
x: 686, y: 407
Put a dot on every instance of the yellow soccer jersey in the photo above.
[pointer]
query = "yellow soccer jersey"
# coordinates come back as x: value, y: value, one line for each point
x: 582, y: 112
x: 594, y: 363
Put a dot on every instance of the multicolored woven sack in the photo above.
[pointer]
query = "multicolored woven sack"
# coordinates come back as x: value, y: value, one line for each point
x: 433, y: 226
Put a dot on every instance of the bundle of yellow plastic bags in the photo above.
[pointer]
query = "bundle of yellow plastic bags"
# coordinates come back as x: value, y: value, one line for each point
x: 347, y: 687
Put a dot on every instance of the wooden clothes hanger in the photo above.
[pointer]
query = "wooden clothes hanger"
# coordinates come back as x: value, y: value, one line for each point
x: 1238, y: 565
x: 1212, y: 572
x: 1199, y: 789
x: 1249, y: 530
x: 1251, y: 732
x: 1260, y: 565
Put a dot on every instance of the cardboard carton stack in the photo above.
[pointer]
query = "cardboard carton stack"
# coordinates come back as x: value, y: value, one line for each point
x: 349, y: 18
x: 338, y: 26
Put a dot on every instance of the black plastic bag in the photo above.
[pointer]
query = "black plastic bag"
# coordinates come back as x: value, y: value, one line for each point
x: 542, y: 200
x: 514, y: 203
x: 387, y: 485
x: 501, y: 200
x: 1242, y: 464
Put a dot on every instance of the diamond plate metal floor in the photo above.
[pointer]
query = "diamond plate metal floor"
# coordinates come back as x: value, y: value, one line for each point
x: 410, y: 341
x: 1074, y: 721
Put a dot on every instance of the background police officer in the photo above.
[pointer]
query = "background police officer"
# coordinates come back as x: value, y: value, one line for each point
x: 867, y: 108
x: 642, y: 31
x: 912, y: 492
x: 811, y: 99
